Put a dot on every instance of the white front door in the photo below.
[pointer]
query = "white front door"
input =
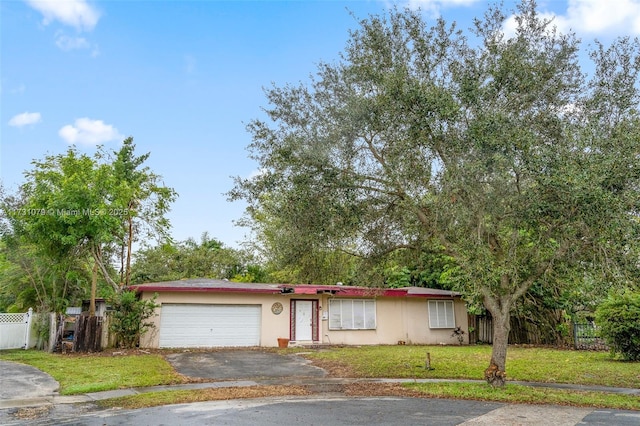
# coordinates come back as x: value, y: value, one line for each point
x: 304, y: 320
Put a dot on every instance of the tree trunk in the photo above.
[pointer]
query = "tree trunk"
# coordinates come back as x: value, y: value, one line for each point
x: 96, y: 252
x: 122, y: 261
x: 94, y: 288
x: 496, y: 374
x: 127, y: 281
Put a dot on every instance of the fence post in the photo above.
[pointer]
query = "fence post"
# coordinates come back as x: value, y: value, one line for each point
x: 53, y: 327
x: 27, y: 334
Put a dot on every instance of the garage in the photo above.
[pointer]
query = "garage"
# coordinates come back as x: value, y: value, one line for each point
x: 214, y: 325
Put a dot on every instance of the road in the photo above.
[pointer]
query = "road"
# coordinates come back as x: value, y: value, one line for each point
x: 337, y: 411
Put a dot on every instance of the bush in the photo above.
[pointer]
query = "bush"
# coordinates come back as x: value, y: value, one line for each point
x: 619, y: 322
x: 128, y: 319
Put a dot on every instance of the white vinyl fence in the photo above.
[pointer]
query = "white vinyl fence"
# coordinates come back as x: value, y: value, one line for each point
x: 15, y: 330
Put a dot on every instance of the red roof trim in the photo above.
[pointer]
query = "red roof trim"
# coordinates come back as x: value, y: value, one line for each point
x: 165, y: 289
x: 300, y: 289
x: 369, y: 292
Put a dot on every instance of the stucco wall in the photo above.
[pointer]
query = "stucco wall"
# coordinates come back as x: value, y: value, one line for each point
x: 272, y: 325
x: 397, y: 319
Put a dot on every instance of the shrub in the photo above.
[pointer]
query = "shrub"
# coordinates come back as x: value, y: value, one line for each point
x: 619, y: 322
x: 128, y: 319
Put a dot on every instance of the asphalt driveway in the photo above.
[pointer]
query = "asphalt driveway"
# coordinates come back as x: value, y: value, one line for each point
x: 19, y: 381
x: 242, y: 364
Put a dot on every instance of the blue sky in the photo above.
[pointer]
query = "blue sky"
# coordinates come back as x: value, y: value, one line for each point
x: 184, y: 77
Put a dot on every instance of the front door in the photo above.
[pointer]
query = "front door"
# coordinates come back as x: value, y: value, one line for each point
x: 304, y: 321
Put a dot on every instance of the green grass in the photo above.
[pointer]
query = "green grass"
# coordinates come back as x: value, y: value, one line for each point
x: 83, y: 373
x: 93, y: 373
x: 468, y: 362
x: 526, y: 395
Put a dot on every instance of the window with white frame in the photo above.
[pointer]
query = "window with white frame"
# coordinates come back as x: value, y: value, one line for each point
x: 352, y: 314
x: 441, y: 314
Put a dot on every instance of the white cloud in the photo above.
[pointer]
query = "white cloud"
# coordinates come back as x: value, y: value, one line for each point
x: 594, y: 17
x: 86, y: 131
x: 25, y: 119
x: 257, y: 173
x: 66, y: 43
x: 76, y: 13
x: 559, y: 22
x: 597, y: 16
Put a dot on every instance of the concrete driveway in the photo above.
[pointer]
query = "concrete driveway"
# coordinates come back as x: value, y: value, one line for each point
x: 19, y: 381
x: 242, y: 364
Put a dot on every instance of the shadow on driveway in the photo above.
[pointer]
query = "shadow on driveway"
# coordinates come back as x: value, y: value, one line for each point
x: 242, y: 364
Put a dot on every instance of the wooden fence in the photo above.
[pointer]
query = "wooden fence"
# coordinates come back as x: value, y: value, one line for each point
x: 88, y: 334
x: 583, y: 336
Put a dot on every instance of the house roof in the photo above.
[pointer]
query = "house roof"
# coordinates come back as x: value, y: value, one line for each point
x: 206, y: 285
x: 223, y: 286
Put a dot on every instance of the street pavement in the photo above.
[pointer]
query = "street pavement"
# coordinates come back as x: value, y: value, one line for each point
x: 23, y: 386
x: 335, y: 411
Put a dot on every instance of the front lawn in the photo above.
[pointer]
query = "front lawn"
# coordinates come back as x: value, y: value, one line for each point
x: 469, y: 362
x: 84, y: 373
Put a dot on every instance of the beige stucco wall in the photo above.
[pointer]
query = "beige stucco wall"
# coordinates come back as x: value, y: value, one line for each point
x: 397, y: 319
x: 273, y: 326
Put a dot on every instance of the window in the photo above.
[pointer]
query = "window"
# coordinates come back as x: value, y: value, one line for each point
x: 352, y: 314
x: 441, y: 314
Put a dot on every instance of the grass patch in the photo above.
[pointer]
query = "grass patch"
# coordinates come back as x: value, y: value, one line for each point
x: 153, y: 399
x: 526, y: 395
x: 84, y: 373
x: 468, y: 362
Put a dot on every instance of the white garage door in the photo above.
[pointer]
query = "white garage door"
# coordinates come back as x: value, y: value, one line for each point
x: 192, y: 326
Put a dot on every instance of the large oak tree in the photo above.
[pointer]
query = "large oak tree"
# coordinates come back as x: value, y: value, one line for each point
x: 497, y: 148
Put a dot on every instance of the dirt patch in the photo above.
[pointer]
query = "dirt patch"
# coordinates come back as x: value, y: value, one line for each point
x: 114, y: 352
x: 31, y: 413
x: 334, y: 368
x: 380, y: 389
x: 253, y: 392
x: 214, y: 394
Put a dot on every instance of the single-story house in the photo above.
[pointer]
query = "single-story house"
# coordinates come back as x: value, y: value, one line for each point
x: 218, y: 313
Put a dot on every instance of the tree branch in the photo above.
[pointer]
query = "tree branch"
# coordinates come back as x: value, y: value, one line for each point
x: 96, y: 252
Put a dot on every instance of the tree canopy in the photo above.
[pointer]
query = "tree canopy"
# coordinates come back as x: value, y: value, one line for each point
x: 498, y: 149
x: 75, y: 207
x: 208, y: 258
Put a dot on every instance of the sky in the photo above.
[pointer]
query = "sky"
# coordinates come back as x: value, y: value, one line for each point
x: 184, y: 78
